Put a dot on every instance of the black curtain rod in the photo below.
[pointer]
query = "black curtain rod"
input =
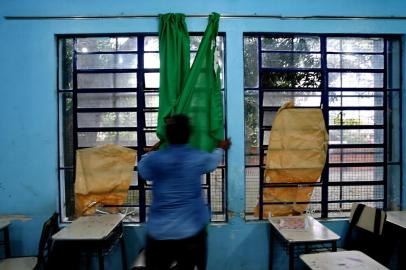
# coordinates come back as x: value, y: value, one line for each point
x: 224, y: 16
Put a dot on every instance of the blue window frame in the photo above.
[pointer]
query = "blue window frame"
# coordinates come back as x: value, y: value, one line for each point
x: 108, y: 93
x: 356, y: 82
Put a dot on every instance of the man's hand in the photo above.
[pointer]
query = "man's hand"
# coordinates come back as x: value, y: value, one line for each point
x: 224, y: 144
x: 155, y: 147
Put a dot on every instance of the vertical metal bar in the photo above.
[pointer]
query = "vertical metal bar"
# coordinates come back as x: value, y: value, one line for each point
x: 208, y: 183
x: 325, y: 110
x: 74, y: 105
x: 341, y: 132
x: 224, y: 192
x: 400, y: 121
x: 291, y: 251
x: 141, y: 142
x: 261, y: 135
x: 389, y: 69
x: 58, y: 123
x: 385, y: 123
x: 224, y: 171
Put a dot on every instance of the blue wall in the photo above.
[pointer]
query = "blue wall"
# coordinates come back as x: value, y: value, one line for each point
x: 28, y: 137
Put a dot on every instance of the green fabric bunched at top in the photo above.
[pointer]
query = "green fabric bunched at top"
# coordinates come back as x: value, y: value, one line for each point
x: 196, y: 91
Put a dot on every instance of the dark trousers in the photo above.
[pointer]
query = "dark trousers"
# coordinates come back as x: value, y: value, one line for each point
x: 187, y: 253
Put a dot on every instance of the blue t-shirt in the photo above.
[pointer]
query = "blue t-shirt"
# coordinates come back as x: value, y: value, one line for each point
x: 178, y: 209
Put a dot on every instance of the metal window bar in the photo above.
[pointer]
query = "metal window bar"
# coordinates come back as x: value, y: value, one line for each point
x: 141, y: 129
x: 325, y: 90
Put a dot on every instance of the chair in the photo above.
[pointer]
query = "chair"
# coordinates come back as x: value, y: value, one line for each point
x: 365, y: 232
x: 41, y: 261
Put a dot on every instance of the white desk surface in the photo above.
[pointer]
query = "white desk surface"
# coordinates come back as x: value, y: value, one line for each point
x: 313, y: 232
x: 354, y: 260
x: 397, y: 218
x: 9, y: 218
x: 20, y: 263
x: 4, y: 224
x: 95, y: 227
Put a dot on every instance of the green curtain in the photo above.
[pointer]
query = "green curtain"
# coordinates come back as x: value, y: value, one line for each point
x: 196, y: 91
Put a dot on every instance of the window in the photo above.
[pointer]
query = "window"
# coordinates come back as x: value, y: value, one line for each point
x: 356, y: 81
x: 108, y: 93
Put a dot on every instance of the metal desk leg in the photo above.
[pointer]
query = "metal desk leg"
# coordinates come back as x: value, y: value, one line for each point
x: 291, y: 249
x: 271, y: 243
x: 88, y: 260
x: 7, y: 242
x: 123, y: 253
x: 101, y: 258
x: 334, y: 246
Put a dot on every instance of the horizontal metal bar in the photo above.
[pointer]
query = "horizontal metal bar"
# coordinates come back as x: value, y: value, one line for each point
x: 277, y: 90
x: 290, y: 35
x: 318, y: 202
x: 107, y: 52
x: 66, y: 168
x: 351, y: 108
x: 358, y: 183
x: 107, y: 70
x: 279, y: 203
x: 361, y: 89
x: 289, y: 70
x: 338, y: 146
x: 293, y: 185
x: 355, y: 127
x: 105, y: 90
x: 106, y: 129
x: 355, y: 53
x: 355, y: 70
x: 101, y: 110
x: 317, y: 184
x: 333, y: 165
x: 127, y: 146
x: 223, y: 16
x: 354, y: 201
x: 318, y: 69
x: 358, y: 164
x: 64, y: 91
x: 276, y: 108
x: 289, y: 52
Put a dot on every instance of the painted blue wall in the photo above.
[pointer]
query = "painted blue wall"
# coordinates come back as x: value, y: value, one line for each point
x: 28, y: 137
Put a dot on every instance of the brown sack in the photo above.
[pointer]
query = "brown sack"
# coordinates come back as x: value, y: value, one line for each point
x: 103, y: 176
x: 297, y: 152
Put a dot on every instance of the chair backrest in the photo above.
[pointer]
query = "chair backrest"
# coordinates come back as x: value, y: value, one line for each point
x: 365, y: 232
x: 368, y: 218
x: 49, y: 228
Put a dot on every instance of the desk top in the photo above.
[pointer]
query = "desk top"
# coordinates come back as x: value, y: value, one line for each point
x: 397, y: 218
x: 95, y: 227
x: 4, y: 224
x: 354, y: 260
x: 9, y: 218
x: 314, y: 231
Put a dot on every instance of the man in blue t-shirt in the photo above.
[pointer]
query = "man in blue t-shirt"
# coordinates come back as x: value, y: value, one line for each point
x: 178, y: 214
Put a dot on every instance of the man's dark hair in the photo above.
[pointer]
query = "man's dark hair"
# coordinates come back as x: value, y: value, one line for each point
x: 177, y: 129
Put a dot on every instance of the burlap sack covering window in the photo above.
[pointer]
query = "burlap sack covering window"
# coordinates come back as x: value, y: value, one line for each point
x: 103, y: 176
x: 297, y: 152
